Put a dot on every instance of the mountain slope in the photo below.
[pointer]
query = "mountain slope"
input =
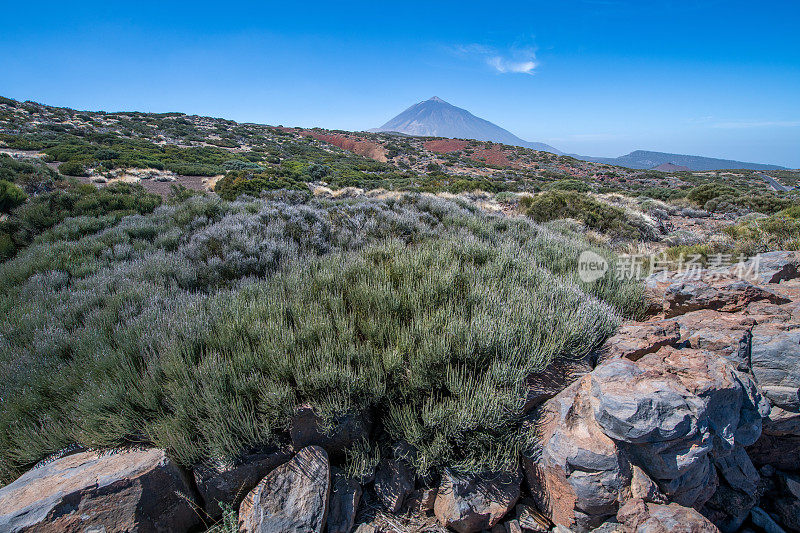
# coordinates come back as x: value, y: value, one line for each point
x: 437, y: 118
x: 646, y: 159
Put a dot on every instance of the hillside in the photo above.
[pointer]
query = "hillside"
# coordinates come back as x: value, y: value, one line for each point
x: 436, y: 118
x: 646, y: 159
x: 230, y: 327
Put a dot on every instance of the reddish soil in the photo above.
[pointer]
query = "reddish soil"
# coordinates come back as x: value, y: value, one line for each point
x: 494, y: 156
x: 368, y: 149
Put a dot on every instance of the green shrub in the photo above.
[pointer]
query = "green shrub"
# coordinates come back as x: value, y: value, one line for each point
x: 11, y: 196
x: 554, y: 205
x: 73, y: 168
x: 200, y: 326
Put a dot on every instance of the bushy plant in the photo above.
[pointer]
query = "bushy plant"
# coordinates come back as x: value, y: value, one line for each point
x: 11, y: 196
x: 600, y: 216
x: 200, y: 326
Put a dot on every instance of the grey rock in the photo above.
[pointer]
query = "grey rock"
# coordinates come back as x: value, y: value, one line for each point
x: 343, y: 503
x: 394, y: 481
x: 642, y: 517
x: 293, y: 498
x: 763, y: 520
x: 645, y: 488
x: 225, y: 483
x: 727, y: 296
x: 469, y: 504
x: 775, y: 358
x: 770, y: 267
x: 512, y: 526
x: 132, y: 490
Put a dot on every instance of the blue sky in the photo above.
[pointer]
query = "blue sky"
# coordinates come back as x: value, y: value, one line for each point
x: 596, y: 77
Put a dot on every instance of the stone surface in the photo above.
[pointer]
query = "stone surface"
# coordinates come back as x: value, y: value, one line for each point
x: 764, y: 521
x: 775, y: 359
x: 309, y: 429
x: 421, y: 501
x: 293, y: 498
x: 469, y: 504
x: 644, y: 488
x: 132, y: 490
x: 343, y: 503
x: 727, y: 296
x: 222, y: 483
x: 632, y: 341
x: 545, y: 384
x: 782, y: 452
x: 678, y: 415
x: 512, y: 526
x: 770, y: 267
x: 642, y: 517
x: 394, y: 481
x: 579, y: 475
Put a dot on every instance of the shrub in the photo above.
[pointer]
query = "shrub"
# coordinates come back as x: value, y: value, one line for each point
x: 553, y: 205
x: 73, y: 168
x: 200, y: 326
x: 11, y: 196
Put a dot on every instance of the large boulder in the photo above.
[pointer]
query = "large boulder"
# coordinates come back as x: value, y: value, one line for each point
x: 293, y: 498
x: 642, y: 517
x: 470, y: 504
x: 678, y: 415
x: 769, y: 267
x: 132, y: 490
x: 228, y: 482
x: 577, y: 476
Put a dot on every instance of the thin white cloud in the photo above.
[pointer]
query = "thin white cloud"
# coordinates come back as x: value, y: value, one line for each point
x: 504, y: 65
x: 514, y: 61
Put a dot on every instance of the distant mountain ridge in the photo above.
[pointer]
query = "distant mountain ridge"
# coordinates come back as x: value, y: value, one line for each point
x: 644, y: 159
x: 436, y: 118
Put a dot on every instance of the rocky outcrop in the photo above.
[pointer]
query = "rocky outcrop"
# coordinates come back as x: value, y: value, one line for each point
x: 131, y: 490
x: 730, y: 296
x: 293, y: 498
x: 228, y: 483
x: 679, y: 415
x: 633, y: 341
x: 642, y: 517
x: 775, y: 363
x: 469, y: 504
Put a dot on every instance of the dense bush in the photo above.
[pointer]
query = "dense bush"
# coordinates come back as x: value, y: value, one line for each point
x: 11, y: 196
x: 31, y: 175
x: 200, y: 326
x: 600, y: 216
x: 724, y: 198
x: 71, y: 199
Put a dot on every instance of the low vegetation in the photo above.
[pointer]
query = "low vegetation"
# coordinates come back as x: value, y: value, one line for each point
x: 199, y: 326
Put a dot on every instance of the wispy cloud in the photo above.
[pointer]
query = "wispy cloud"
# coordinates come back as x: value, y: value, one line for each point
x: 513, y: 61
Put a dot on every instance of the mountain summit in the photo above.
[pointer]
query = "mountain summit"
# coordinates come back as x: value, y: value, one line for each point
x: 437, y: 118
